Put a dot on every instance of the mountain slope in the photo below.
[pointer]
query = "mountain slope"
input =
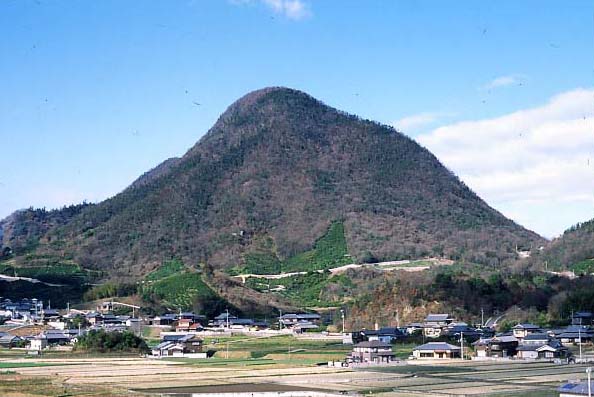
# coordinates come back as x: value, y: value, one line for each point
x: 574, y: 250
x: 283, y: 167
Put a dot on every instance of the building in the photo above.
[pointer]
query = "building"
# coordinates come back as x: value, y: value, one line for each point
x: 573, y: 333
x: 38, y: 343
x: 413, y: 328
x: 522, y: 330
x: 167, y: 319
x: 504, y: 346
x: 436, y: 350
x: 375, y: 352
x: 185, y: 346
x: 226, y: 320
x: 582, y: 318
x: 435, y: 324
x: 300, y: 321
x: 456, y: 330
x: 552, y: 349
x: 384, y: 334
x: 9, y: 341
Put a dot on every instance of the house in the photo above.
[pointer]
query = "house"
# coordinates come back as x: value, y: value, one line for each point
x: 414, y: 328
x: 226, y: 320
x: 384, y: 334
x: 183, y: 325
x: 582, y: 318
x: 456, y: 330
x: 536, y: 339
x: 56, y: 337
x: 575, y: 389
x: 185, y: 346
x: 436, y: 350
x: 521, y: 330
x: 94, y: 318
x: 574, y: 333
x: 550, y: 350
x: 9, y: 341
x: 499, y: 346
x: 290, y: 319
x: 50, y: 315
x: 164, y: 320
x: 38, y: 343
x: 372, y: 352
x: 435, y: 324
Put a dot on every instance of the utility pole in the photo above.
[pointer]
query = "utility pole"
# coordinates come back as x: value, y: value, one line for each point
x: 280, y: 320
x: 580, y: 341
x: 482, y: 318
x: 589, y: 372
x: 342, y: 314
x: 227, y: 310
x: 462, y: 345
x: 397, y: 319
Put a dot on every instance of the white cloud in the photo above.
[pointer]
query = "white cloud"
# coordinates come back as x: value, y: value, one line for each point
x: 502, y: 81
x: 535, y: 158
x: 291, y: 9
x: 419, y: 120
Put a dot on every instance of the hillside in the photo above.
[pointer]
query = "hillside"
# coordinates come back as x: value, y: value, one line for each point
x: 574, y: 250
x: 282, y: 167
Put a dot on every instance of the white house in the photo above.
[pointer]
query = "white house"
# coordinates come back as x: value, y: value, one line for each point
x: 436, y: 350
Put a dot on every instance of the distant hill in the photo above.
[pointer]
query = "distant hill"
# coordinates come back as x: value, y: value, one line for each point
x: 277, y: 173
x: 574, y: 250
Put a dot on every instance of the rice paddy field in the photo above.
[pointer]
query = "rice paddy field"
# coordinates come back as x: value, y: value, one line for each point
x: 274, y: 363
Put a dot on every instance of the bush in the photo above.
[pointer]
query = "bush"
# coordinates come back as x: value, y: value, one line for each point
x: 104, y: 342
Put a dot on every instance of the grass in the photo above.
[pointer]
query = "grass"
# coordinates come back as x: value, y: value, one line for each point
x: 19, y: 385
x: 305, y: 289
x: 27, y: 365
x: 584, y: 267
x: 328, y: 252
x: 268, y: 351
x: 168, y: 268
x: 179, y: 290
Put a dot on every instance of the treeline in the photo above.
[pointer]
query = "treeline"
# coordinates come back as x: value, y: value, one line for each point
x: 109, y: 290
x: 522, y: 296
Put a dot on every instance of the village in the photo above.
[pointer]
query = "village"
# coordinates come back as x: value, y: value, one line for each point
x: 38, y: 331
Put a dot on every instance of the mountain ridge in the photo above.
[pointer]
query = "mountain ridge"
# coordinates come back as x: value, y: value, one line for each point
x: 279, y: 163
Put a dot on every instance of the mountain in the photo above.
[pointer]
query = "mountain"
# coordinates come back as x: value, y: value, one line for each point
x: 574, y: 250
x: 20, y: 232
x: 282, y: 176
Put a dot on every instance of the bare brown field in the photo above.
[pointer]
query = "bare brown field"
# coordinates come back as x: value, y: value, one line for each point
x: 118, y: 376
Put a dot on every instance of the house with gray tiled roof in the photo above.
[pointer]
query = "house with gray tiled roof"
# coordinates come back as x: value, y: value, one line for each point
x: 436, y: 350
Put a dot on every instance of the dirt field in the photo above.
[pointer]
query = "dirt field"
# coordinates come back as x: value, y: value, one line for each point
x: 117, y: 376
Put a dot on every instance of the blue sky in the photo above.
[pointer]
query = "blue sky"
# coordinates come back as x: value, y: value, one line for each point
x: 94, y: 93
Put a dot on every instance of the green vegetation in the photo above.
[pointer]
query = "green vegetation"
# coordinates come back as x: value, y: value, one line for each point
x: 176, y: 287
x: 311, y: 289
x: 105, y: 342
x: 270, y: 350
x: 584, y: 267
x: 109, y: 290
x: 328, y: 252
x: 53, y: 271
x: 168, y: 268
x: 69, y: 281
